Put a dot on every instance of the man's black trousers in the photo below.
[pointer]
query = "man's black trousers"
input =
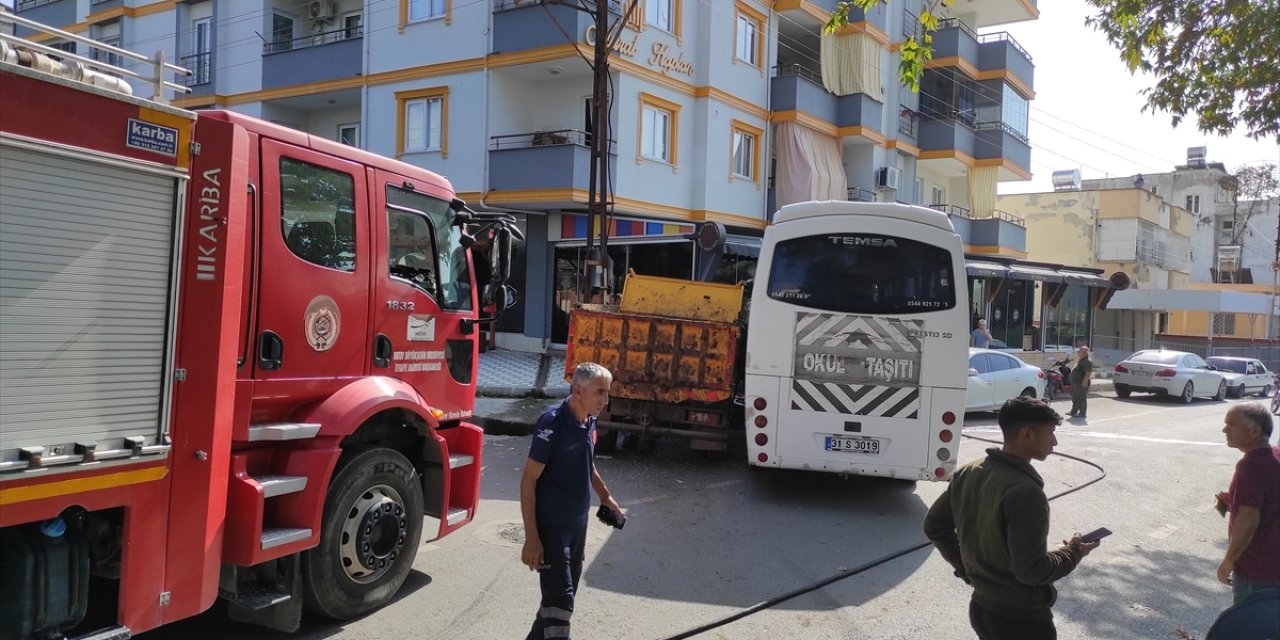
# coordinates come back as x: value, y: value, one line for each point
x: 991, y: 626
x: 562, y: 550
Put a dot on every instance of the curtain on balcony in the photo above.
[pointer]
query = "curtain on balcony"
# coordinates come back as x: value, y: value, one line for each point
x: 851, y: 64
x: 982, y: 191
x: 809, y: 166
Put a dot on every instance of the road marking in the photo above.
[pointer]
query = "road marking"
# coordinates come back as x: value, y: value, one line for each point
x: 1113, y: 436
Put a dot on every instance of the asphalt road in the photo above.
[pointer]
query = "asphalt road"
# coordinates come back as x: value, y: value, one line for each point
x: 705, y: 539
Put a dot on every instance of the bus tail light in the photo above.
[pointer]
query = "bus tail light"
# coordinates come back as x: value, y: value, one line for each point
x: 938, y: 473
x: 948, y: 418
x: 763, y: 457
x: 943, y: 454
x: 762, y: 439
x: 762, y: 421
x: 945, y: 436
x: 760, y: 404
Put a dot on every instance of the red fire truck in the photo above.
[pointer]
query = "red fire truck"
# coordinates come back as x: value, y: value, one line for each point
x: 236, y: 360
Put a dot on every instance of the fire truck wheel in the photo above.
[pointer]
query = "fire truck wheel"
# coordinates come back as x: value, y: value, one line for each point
x: 369, y: 536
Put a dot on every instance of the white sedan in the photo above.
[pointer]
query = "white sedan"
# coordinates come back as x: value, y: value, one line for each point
x: 995, y: 376
x: 1169, y: 373
x: 1244, y: 375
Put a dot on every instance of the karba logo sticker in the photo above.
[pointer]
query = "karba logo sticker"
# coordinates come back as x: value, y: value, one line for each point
x: 322, y: 322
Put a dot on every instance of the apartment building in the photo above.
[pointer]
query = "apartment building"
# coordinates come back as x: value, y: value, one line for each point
x: 722, y: 110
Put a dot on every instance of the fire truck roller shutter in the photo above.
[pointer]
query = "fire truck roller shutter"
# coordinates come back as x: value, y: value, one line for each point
x: 86, y: 259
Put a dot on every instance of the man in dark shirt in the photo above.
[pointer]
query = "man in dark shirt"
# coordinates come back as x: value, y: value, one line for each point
x: 1081, y: 377
x: 992, y: 526
x: 1252, y: 561
x: 555, y: 497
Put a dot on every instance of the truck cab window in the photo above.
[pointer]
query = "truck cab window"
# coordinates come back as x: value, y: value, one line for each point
x: 412, y: 256
x: 317, y: 214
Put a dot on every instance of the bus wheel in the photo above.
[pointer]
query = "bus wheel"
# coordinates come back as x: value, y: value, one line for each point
x: 369, y: 535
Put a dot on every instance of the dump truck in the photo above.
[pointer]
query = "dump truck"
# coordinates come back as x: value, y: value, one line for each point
x: 675, y: 349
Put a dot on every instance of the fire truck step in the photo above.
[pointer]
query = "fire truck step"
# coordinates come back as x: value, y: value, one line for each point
x: 460, y: 460
x: 280, y: 485
x: 256, y: 596
x: 455, y: 516
x: 276, y: 537
x: 118, y: 632
x: 283, y: 431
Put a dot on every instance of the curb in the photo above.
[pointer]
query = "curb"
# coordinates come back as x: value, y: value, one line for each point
x: 501, y: 427
x: 498, y: 391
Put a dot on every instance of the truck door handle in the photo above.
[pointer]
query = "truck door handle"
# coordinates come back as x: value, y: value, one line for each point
x: 381, y: 351
x: 270, y: 351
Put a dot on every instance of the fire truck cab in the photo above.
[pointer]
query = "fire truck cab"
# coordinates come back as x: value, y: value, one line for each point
x: 236, y: 360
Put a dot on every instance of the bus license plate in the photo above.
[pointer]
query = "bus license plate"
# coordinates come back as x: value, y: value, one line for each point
x: 869, y: 446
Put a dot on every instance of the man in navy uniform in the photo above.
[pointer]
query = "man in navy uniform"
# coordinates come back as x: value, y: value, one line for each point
x: 555, y: 496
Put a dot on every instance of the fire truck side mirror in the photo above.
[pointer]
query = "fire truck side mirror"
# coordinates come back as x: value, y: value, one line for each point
x: 500, y: 256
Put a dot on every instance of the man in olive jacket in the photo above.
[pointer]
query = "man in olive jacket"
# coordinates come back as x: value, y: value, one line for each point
x: 992, y: 525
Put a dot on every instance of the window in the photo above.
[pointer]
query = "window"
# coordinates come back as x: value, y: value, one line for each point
x: 1228, y: 224
x: 659, y: 129
x: 420, y: 247
x: 317, y: 214
x: 69, y: 47
x: 661, y: 14
x: 349, y: 134
x: 634, y: 16
x: 201, y: 51
x: 352, y: 25
x: 861, y: 273
x: 1015, y: 111
x: 1155, y: 191
x: 939, y: 196
x: 281, y: 32
x: 746, y: 151
x: 981, y: 363
x: 748, y: 43
x: 1193, y: 204
x: 1224, y: 324
x: 426, y: 9
x: 424, y: 119
x: 107, y: 33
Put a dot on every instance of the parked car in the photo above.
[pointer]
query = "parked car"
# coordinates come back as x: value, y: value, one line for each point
x: 1244, y: 375
x: 995, y: 376
x: 1169, y: 373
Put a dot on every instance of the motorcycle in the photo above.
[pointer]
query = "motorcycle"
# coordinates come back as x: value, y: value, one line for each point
x: 1058, y: 376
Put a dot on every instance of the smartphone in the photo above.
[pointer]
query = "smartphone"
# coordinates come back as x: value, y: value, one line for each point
x: 1095, y: 535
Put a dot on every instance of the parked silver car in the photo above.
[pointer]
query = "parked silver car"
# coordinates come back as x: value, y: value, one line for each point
x: 1169, y: 373
x: 1244, y: 375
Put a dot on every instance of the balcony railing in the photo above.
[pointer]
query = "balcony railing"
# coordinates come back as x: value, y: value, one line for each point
x: 315, y: 40
x: 953, y: 210
x: 201, y: 66
x: 988, y: 126
x: 23, y: 5
x: 1005, y: 37
x: 858, y: 194
x: 545, y: 139
x: 1009, y: 217
x: 910, y: 25
x: 907, y: 120
x: 956, y: 23
x: 797, y: 70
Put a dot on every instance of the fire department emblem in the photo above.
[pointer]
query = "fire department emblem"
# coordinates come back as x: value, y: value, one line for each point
x: 322, y: 323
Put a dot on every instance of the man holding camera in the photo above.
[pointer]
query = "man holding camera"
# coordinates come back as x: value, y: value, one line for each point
x: 992, y: 523
x: 555, y: 497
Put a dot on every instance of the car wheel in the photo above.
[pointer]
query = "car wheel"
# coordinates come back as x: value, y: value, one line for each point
x: 1222, y: 392
x: 1236, y: 392
x: 1188, y: 393
x: 1266, y: 391
x: 1123, y: 391
x: 1028, y: 393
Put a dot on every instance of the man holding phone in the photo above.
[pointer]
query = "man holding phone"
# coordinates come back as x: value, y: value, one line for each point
x: 992, y: 526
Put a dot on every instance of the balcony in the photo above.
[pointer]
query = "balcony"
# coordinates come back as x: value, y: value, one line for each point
x: 957, y: 44
x: 563, y: 161
x: 877, y: 17
x: 998, y: 51
x: 522, y: 25
x: 999, y: 140
x: 315, y: 58
x: 201, y: 67
x: 55, y: 13
x: 946, y: 134
x: 1000, y: 230
x: 954, y: 39
x: 796, y: 87
x: 858, y: 110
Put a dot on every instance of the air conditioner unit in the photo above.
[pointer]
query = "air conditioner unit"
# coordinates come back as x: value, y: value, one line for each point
x: 321, y: 9
x: 887, y: 178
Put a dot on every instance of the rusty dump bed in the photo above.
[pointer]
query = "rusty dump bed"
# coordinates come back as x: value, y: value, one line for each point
x: 671, y: 341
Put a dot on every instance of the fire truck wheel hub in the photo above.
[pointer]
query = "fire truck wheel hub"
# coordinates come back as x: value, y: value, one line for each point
x: 374, y: 534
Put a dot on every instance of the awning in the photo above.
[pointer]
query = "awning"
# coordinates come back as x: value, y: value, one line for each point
x: 742, y: 246
x: 985, y: 269
x: 1019, y: 272
x: 1086, y: 279
x: 1191, y: 300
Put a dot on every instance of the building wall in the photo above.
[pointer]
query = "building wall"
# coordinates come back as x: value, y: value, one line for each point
x: 1061, y: 226
x: 1192, y: 323
x: 1258, y: 239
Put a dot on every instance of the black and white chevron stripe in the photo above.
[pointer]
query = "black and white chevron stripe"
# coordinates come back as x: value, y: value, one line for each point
x: 858, y: 332
x: 855, y: 399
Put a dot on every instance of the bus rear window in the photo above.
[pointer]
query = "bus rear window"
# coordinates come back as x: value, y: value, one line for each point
x: 862, y: 273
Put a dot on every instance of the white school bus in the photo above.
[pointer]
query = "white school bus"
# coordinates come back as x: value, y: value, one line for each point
x: 857, y: 346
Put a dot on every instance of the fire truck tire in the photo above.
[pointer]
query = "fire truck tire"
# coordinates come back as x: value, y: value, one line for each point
x: 369, y: 535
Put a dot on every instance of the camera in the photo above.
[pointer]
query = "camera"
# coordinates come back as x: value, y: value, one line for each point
x: 611, y: 517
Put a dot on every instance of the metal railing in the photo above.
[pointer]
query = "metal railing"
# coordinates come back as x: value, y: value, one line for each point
x: 24, y: 5
x: 159, y: 67
x: 799, y: 71
x: 910, y: 25
x: 953, y: 210
x: 201, y: 66
x: 1005, y: 37
x: 858, y: 194
x: 314, y: 40
x: 1009, y: 217
x: 560, y: 137
x: 957, y: 23
x: 907, y: 122
x: 991, y: 125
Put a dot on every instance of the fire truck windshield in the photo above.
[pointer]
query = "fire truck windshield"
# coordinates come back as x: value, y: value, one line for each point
x: 412, y: 254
